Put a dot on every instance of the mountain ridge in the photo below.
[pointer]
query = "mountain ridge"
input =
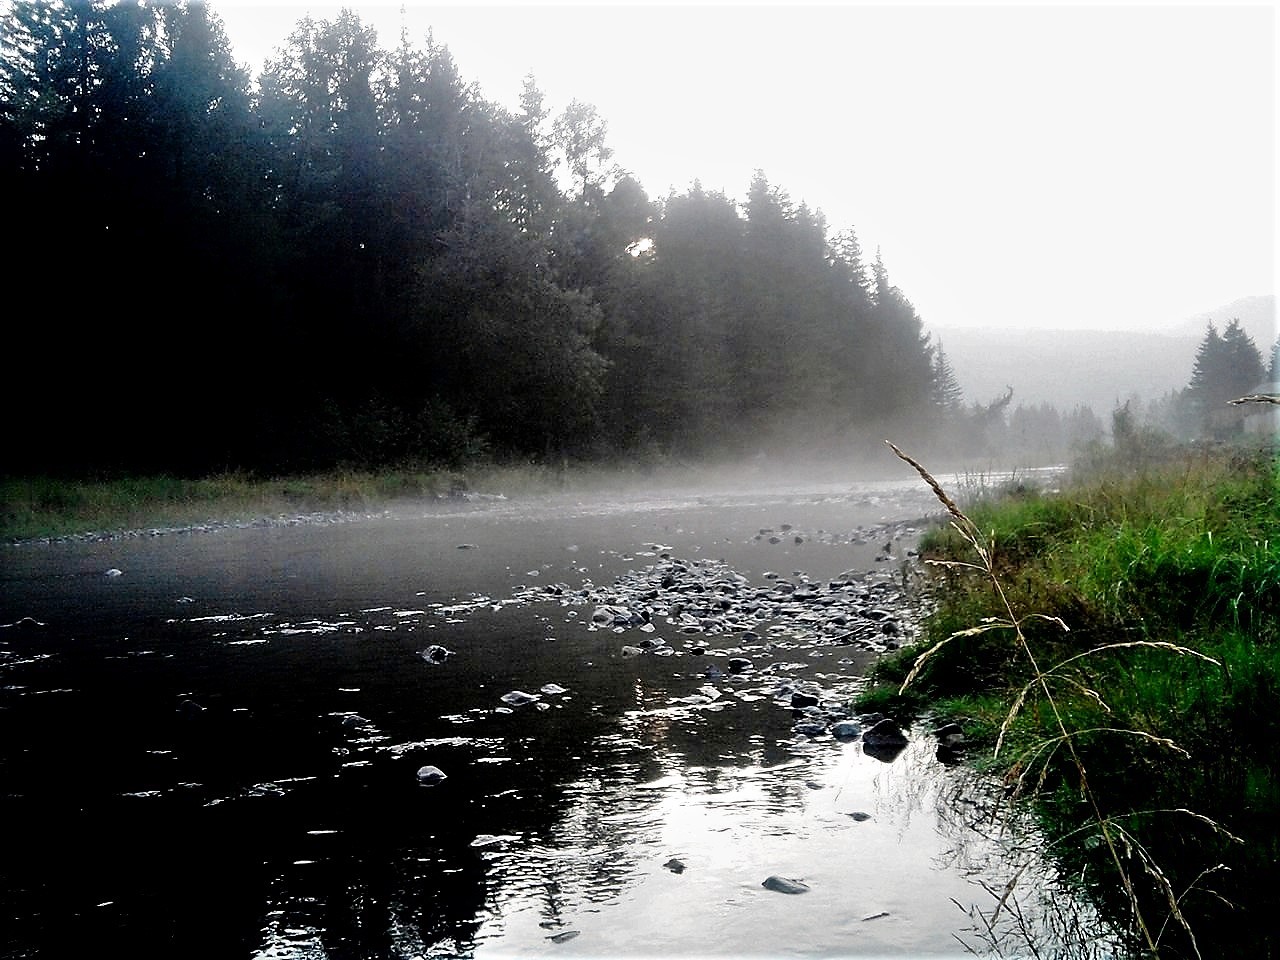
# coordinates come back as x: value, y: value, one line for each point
x: 1099, y: 368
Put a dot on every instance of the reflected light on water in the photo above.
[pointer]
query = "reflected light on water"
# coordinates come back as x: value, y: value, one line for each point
x: 674, y: 866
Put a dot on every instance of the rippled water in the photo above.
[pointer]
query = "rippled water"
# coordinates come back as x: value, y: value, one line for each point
x: 215, y: 752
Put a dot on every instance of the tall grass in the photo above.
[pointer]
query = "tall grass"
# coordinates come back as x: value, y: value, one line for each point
x: 1113, y: 645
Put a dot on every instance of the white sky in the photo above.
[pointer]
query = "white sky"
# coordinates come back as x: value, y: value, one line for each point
x: 1067, y: 166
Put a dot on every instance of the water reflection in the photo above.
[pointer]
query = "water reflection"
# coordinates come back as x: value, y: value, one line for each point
x: 863, y: 835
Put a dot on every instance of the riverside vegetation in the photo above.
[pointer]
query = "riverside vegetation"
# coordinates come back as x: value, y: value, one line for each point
x: 52, y: 507
x: 1111, y: 650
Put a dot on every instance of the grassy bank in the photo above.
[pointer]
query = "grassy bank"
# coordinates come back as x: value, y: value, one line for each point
x: 1113, y: 650
x: 32, y: 507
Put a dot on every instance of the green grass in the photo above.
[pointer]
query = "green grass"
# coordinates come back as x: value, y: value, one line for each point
x: 32, y: 507
x: 1155, y: 570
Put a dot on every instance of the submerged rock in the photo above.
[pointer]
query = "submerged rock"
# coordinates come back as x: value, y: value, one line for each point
x: 809, y: 728
x: 846, y: 729
x: 674, y: 865
x: 785, y: 885
x: 435, y: 654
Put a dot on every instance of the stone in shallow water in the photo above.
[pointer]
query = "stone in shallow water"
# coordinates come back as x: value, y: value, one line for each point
x: 846, y: 729
x: 885, y: 734
x: 518, y: 698
x: 674, y: 865
x: 429, y: 776
x: 785, y: 885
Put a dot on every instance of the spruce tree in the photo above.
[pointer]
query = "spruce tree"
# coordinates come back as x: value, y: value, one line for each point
x: 945, y: 393
x: 1227, y: 366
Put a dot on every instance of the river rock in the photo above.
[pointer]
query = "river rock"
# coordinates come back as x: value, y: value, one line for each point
x: 810, y: 728
x: 429, y: 775
x: 675, y: 866
x: 785, y: 885
x: 435, y: 654
x: 846, y: 729
x: 518, y: 698
x: 885, y: 733
x: 884, y: 741
x: 739, y: 665
x: 23, y: 624
x: 950, y: 735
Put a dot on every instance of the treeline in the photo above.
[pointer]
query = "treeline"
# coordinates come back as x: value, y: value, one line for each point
x: 1228, y: 366
x: 360, y: 259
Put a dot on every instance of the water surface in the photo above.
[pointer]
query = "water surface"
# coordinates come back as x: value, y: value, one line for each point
x: 210, y: 742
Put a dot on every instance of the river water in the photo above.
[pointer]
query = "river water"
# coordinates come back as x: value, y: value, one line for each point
x: 210, y: 742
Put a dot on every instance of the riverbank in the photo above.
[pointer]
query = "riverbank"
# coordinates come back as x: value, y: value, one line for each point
x: 1111, y: 650
x: 46, y: 508
x: 52, y: 508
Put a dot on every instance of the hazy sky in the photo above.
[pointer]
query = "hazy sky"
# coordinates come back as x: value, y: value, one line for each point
x: 1087, y: 166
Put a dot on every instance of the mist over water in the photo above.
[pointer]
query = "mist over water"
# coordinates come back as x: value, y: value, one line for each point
x: 216, y: 751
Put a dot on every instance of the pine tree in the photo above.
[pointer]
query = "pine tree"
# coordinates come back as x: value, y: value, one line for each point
x: 945, y: 391
x: 1227, y: 366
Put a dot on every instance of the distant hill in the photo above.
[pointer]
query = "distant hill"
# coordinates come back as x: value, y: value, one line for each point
x: 1100, y: 368
x: 1257, y: 315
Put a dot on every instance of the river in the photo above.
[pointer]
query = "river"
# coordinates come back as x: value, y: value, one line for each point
x: 220, y: 743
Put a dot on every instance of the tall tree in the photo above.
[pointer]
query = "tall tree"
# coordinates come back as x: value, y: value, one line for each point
x: 1227, y: 366
x: 946, y: 394
x: 581, y: 135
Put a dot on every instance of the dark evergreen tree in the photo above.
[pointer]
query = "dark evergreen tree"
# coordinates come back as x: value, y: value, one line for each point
x: 946, y: 394
x: 1227, y: 366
